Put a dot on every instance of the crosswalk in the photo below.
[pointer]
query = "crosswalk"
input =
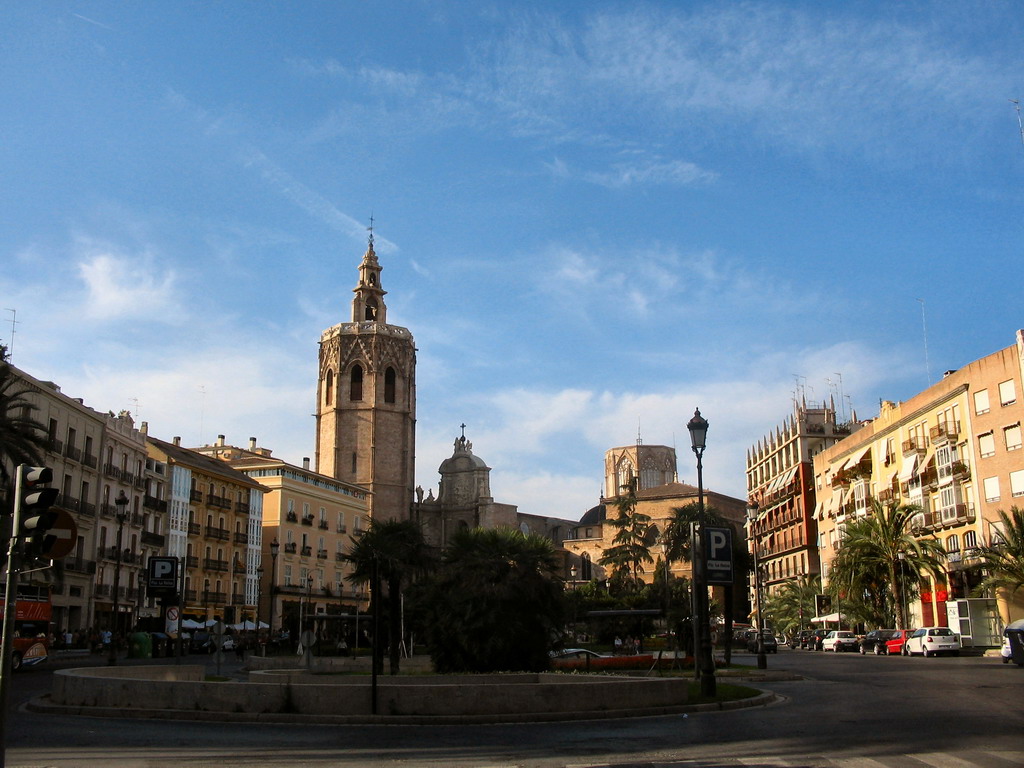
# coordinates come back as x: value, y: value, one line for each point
x: 965, y: 759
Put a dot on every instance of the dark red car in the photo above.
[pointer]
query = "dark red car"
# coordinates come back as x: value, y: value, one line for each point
x: 894, y: 645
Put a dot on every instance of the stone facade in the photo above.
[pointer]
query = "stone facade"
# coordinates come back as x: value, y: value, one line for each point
x: 366, y: 400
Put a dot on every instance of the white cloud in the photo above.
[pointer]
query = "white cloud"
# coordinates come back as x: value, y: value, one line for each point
x: 122, y: 287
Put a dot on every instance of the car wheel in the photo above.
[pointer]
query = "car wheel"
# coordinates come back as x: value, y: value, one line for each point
x: 925, y: 652
x: 863, y: 651
x: 16, y: 660
x: 878, y: 650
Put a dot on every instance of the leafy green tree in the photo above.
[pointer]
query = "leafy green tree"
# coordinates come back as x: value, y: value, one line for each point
x: 22, y: 438
x: 496, y: 603
x: 879, y: 560
x: 630, y: 548
x: 1004, y: 558
x: 400, y: 553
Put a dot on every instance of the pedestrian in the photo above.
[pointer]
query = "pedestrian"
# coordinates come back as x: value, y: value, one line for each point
x: 618, y: 645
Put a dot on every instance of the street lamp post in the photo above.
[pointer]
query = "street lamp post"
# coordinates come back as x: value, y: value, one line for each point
x: 275, y: 547
x: 121, y: 505
x: 698, y: 427
x: 752, y: 515
x: 259, y: 597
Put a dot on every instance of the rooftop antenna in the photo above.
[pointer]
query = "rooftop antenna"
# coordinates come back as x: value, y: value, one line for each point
x: 639, y: 440
x: 924, y: 328
x: 135, y: 401
x: 1020, y: 125
x: 14, y: 322
x: 842, y: 397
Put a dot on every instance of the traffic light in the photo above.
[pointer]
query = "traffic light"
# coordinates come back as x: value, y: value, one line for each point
x: 34, y: 508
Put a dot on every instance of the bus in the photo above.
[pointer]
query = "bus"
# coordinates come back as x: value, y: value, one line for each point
x: 33, y: 613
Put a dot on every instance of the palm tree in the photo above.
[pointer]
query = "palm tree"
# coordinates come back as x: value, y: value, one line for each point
x: 1003, y: 559
x: 630, y: 548
x: 496, y: 603
x: 792, y: 604
x: 879, y: 558
x: 398, y: 551
x: 22, y: 438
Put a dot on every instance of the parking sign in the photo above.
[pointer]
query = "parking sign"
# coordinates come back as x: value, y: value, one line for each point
x: 162, y: 575
x: 718, y: 551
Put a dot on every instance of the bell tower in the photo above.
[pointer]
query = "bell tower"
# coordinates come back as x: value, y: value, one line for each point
x: 366, y: 399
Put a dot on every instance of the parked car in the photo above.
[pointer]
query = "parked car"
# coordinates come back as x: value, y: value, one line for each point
x: 803, y: 640
x: 816, y: 638
x: 930, y: 641
x: 771, y: 645
x: 874, y: 642
x: 894, y: 645
x: 204, y: 642
x: 840, y: 640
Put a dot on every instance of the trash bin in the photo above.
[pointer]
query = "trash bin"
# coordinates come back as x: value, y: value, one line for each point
x: 140, y: 646
x: 161, y: 645
x: 1015, y: 634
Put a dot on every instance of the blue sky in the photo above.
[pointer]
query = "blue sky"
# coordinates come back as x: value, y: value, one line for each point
x: 594, y: 217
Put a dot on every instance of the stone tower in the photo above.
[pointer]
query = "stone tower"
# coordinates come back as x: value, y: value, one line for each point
x: 366, y: 400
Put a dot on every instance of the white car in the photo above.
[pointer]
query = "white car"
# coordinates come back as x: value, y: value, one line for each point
x: 840, y: 640
x: 929, y: 641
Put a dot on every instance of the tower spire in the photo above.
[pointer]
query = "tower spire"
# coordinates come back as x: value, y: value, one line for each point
x: 368, y: 304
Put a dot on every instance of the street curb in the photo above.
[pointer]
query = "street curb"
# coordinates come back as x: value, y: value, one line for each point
x: 42, y: 705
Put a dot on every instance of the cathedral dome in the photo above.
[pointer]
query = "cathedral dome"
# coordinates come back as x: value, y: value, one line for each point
x: 594, y: 515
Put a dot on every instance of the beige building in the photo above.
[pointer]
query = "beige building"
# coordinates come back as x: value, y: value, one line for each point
x: 215, y: 525
x: 313, y: 519
x: 954, y: 450
x: 94, y: 458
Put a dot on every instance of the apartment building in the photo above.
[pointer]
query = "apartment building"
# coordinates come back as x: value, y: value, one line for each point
x: 215, y: 523
x: 953, y: 450
x: 779, y: 473
x: 95, y: 457
x: 309, y: 521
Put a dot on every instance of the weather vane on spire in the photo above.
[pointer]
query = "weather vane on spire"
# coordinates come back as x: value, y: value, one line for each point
x: 370, y: 229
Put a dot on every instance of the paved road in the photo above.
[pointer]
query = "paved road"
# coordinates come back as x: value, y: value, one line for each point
x: 849, y: 712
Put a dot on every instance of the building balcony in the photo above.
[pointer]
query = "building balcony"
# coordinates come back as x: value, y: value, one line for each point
x: 241, y: 538
x: 194, y: 529
x: 217, y: 501
x: 307, y: 520
x: 914, y: 445
x: 307, y: 551
x: 195, y: 496
x: 221, y: 534
x: 321, y: 554
x: 151, y: 502
x: 291, y: 517
x: 79, y: 565
x: 324, y: 525
x: 290, y: 547
x: 192, y: 561
x: 946, y: 432
x: 214, y: 598
x: 242, y: 507
x: 339, y: 557
x: 213, y: 564
x: 153, y: 539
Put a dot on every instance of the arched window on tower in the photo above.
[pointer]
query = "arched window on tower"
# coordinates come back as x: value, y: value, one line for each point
x: 389, y: 385
x: 356, y: 389
x: 329, y: 388
x: 371, y: 309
